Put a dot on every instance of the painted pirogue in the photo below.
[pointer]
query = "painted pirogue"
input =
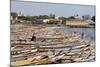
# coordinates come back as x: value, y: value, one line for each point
x: 38, y: 60
x: 45, y: 48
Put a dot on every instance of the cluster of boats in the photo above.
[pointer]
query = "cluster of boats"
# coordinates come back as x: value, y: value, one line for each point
x: 50, y: 46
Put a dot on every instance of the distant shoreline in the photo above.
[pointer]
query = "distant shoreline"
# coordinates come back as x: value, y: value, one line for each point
x: 68, y: 25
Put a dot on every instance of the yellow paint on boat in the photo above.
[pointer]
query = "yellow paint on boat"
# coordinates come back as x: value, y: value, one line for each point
x: 20, y: 63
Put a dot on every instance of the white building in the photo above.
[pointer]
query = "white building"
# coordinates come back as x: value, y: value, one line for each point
x: 46, y: 20
x: 57, y: 17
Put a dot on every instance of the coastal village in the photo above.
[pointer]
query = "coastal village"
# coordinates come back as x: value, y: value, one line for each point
x: 42, y: 41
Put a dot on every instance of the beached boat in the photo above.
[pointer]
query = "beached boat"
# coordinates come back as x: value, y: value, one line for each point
x: 47, y: 60
x: 38, y: 60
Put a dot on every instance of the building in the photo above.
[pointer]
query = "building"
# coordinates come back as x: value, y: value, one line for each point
x: 14, y: 19
x: 46, y: 20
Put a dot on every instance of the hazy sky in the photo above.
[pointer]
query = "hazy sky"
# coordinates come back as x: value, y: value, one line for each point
x: 33, y: 8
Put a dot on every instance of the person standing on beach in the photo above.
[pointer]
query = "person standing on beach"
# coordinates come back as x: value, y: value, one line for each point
x: 82, y: 35
x: 33, y: 38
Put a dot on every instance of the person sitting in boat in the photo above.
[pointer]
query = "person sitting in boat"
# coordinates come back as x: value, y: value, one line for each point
x: 33, y: 38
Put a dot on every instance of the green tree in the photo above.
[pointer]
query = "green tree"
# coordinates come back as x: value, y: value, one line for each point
x: 44, y: 17
x: 52, y: 16
x: 71, y: 17
x: 21, y: 17
x: 14, y: 14
x: 29, y: 18
x: 63, y: 19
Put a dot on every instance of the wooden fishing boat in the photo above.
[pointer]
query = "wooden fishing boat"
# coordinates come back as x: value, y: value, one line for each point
x: 47, y: 60
x: 38, y: 60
